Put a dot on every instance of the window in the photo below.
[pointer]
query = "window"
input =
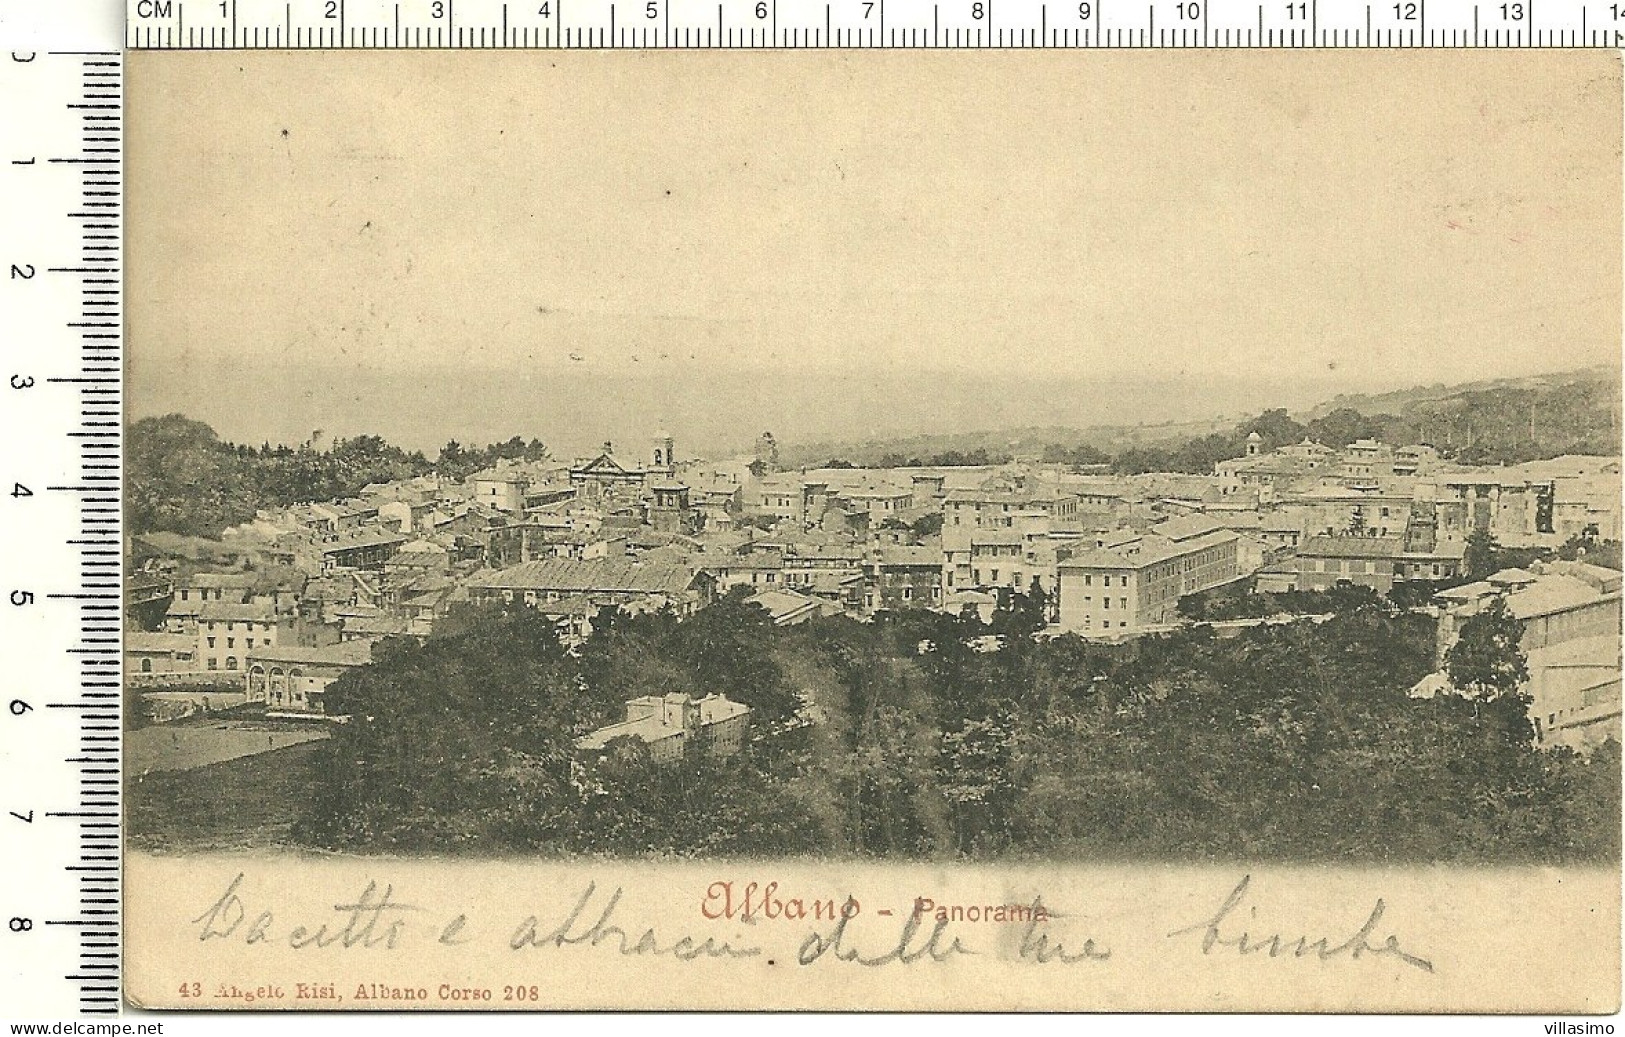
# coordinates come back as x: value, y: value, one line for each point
x: 1122, y: 603
x: 185, y: 594
x: 146, y: 665
x: 231, y: 642
x: 231, y: 662
x: 213, y: 663
x: 251, y: 642
x: 1106, y: 603
x: 211, y: 642
x: 1087, y: 579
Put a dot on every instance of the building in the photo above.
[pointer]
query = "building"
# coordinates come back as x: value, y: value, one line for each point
x: 904, y: 577
x: 787, y: 608
x: 228, y: 632
x: 1556, y: 602
x: 1574, y: 692
x: 669, y: 724
x: 1509, y: 505
x: 605, y: 474
x: 1130, y: 581
x: 159, y: 653
x: 669, y: 509
x: 1325, y: 561
x: 603, y: 581
x: 999, y: 508
x: 501, y: 489
x: 292, y: 680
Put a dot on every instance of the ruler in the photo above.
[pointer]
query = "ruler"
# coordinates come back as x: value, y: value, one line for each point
x: 710, y: 24
x: 61, y: 126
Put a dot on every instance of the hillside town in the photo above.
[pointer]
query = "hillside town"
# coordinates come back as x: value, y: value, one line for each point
x: 278, y: 608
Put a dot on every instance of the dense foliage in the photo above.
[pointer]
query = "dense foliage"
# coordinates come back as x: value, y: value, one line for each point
x: 1217, y: 607
x: 922, y: 735
x: 182, y: 478
x: 1504, y: 424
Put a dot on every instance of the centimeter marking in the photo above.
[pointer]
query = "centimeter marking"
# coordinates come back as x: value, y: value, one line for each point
x: 910, y: 24
x: 62, y: 213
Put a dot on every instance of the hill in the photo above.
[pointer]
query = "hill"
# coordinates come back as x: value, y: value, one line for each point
x: 1503, y: 421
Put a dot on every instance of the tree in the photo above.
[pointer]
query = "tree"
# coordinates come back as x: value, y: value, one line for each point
x: 1487, y: 658
x: 1479, y: 560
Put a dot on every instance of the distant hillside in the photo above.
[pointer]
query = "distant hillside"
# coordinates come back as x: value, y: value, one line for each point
x: 1401, y: 401
x: 1022, y: 442
x: 1501, y: 421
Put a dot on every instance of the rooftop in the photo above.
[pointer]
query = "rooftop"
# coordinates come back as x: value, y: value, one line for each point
x: 1322, y: 545
x: 586, y: 575
x: 345, y: 653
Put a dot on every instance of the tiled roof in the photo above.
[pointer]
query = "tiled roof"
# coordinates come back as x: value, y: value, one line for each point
x: 227, y: 612
x: 1147, y: 551
x: 141, y: 641
x: 345, y: 653
x: 582, y: 576
x: 909, y: 555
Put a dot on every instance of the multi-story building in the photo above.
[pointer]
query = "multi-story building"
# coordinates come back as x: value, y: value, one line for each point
x: 1129, y: 581
x: 227, y: 632
x: 669, y: 724
x: 604, y: 581
x: 904, y: 577
x: 999, y: 509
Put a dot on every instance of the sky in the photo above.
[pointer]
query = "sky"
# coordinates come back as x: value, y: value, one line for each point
x: 587, y: 246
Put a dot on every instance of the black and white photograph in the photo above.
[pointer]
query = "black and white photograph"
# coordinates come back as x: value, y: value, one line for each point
x: 871, y: 492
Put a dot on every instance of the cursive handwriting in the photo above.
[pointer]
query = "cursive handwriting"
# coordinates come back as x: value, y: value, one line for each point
x: 815, y: 946
x: 570, y: 934
x: 1036, y: 946
x: 1214, y: 934
x: 373, y: 919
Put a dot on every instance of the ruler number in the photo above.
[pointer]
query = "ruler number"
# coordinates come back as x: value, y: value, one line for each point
x: 651, y: 10
x: 19, y: 707
x: 1615, y: 10
x: 546, y: 11
x: 21, y: 925
x: 19, y: 490
x: 1084, y: 11
x: 22, y: 381
x: 27, y: 819
x: 332, y: 9
x: 23, y: 57
x: 1297, y: 12
x: 437, y: 9
x: 761, y: 11
x: 1406, y: 12
x: 25, y: 271
x: 867, y: 7
x: 20, y: 599
x: 1512, y: 12
x: 977, y: 11
x: 1189, y: 11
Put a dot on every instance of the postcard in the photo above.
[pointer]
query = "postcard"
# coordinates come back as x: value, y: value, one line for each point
x: 983, y: 531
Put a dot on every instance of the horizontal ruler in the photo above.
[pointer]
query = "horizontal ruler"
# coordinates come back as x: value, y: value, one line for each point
x: 684, y: 24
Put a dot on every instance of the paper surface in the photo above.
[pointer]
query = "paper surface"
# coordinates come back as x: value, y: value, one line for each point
x: 431, y: 245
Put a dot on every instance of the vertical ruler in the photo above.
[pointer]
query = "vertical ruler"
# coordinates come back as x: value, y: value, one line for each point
x: 61, y: 352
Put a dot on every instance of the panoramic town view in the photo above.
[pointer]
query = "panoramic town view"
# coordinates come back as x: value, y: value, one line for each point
x: 1385, y: 628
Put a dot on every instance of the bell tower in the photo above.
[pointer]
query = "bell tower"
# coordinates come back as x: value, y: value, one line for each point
x: 664, y: 458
